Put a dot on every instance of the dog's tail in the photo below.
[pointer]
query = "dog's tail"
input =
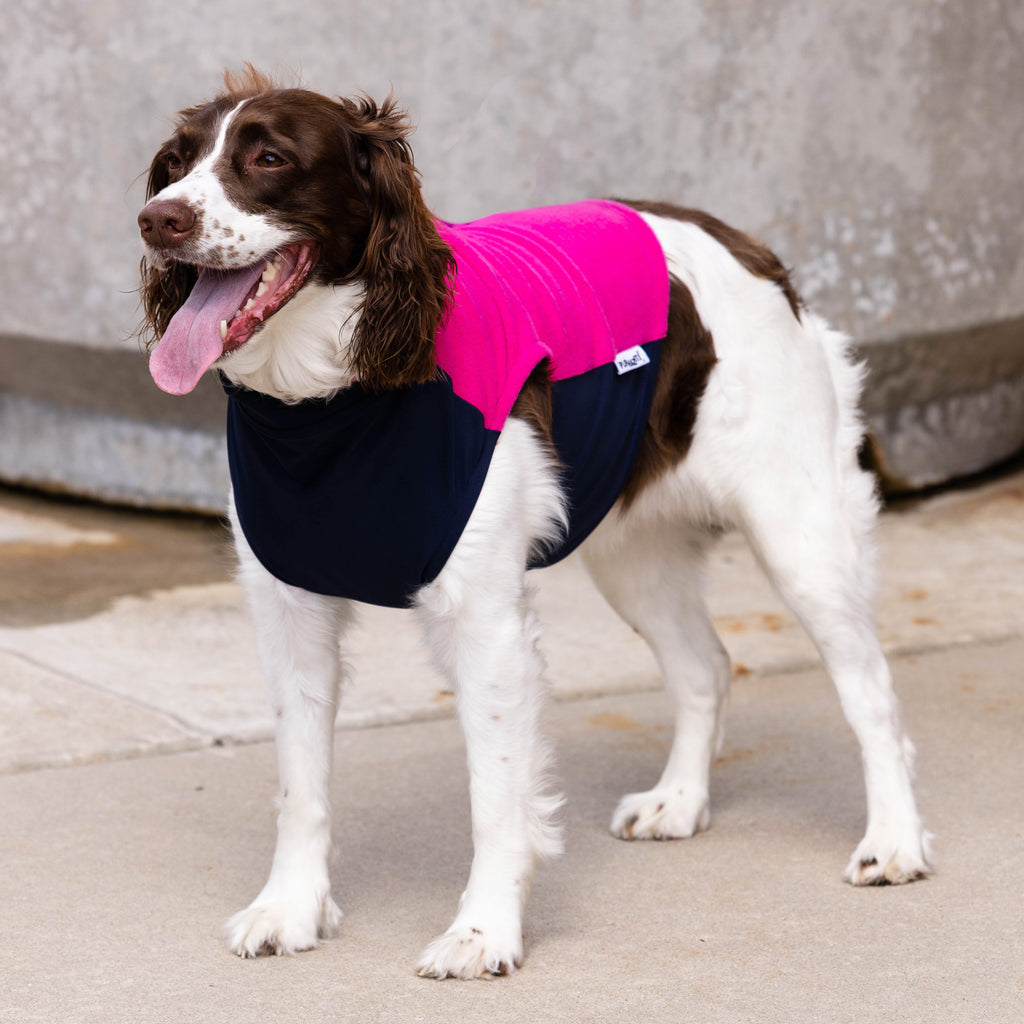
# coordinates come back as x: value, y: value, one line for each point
x: 860, y: 486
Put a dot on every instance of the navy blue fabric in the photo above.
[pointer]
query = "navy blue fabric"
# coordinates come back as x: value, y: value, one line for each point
x: 365, y: 496
x: 598, y: 422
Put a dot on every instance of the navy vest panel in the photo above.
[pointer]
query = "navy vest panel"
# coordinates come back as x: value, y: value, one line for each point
x: 365, y: 496
x: 599, y: 419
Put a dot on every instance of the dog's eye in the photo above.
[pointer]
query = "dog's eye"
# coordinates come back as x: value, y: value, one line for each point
x: 269, y: 160
x: 174, y: 162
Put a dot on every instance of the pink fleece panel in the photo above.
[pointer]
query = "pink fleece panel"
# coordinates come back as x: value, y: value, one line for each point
x: 578, y: 284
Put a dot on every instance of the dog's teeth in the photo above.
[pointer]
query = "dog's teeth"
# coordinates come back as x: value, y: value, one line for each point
x: 223, y: 330
x: 238, y: 313
x: 250, y: 303
x: 271, y: 271
x: 262, y: 290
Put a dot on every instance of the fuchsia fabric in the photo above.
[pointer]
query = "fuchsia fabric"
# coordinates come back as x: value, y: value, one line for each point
x: 578, y: 284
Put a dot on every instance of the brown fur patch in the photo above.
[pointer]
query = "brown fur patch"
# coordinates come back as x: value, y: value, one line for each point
x: 407, y: 268
x: 755, y: 256
x: 248, y: 82
x: 533, y: 405
x: 687, y: 357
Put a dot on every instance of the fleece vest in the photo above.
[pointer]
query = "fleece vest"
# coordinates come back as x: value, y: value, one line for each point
x: 366, y: 495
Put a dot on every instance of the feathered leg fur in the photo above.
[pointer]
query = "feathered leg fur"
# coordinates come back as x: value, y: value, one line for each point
x: 298, y: 636
x: 483, y: 630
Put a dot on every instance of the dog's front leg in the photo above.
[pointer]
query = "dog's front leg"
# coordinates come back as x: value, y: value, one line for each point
x: 484, y: 632
x: 298, y: 640
x: 499, y: 692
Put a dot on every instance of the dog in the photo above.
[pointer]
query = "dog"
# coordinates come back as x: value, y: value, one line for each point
x: 380, y: 452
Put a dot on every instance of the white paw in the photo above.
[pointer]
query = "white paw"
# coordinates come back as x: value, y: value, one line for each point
x: 466, y: 952
x: 279, y: 926
x: 661, y: 814
x: 884, y: 860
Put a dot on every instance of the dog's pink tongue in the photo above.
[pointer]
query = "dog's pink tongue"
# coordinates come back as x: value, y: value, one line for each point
x: 192, y: 342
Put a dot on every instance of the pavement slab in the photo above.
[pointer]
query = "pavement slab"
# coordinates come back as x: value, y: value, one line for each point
x: 118, y: 875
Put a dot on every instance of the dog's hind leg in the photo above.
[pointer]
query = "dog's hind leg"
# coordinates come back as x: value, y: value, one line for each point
x: 652, y: 575
x: 818, y: 566
x: 484, y: 632
x: 297, y: 634
x: 775, y: 452
x: 809, y: 521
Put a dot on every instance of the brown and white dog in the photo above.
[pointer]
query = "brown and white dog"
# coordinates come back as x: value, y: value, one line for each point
x: 313, y: 205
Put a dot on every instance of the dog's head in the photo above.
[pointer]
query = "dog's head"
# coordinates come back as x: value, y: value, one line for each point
x: 265, y: 191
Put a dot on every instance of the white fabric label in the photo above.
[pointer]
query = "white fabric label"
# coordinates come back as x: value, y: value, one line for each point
x: 631, y: 359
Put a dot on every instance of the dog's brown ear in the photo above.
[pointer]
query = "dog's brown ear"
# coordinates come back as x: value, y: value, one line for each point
x: 406, y: 267
x: 162, y: 292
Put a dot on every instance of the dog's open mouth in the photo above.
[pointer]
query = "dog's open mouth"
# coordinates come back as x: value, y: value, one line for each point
x: 222, y: 313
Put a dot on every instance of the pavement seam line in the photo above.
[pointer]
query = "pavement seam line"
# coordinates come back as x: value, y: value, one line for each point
x: 61, y: 673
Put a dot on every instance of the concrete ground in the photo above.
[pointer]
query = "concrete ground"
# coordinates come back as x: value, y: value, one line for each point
x: 137, y: 779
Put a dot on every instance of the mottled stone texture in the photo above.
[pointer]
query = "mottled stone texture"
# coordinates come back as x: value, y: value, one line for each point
x: 876, y: 146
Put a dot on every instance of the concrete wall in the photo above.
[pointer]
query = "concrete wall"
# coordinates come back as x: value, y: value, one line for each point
x: 876, y: 146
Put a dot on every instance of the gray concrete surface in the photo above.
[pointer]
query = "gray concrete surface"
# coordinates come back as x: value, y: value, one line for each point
x: 871, y: 144
x: 90, y: 422
x: 136, y: 782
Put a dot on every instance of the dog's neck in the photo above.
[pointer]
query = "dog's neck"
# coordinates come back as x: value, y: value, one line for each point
x: 303, y: 350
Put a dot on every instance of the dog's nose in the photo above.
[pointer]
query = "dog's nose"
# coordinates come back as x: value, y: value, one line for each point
x: 166, y: 223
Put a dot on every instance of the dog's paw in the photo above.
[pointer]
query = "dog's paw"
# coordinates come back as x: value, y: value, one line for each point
x: 464, y: 952
x: 278, y: 927
x: 661, y: 814
x: 882, y: 860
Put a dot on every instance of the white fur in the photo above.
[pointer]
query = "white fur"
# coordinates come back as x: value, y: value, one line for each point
x: 774, y: 454
x: 298, y: 636
x: 484, y: 632
x: 230, y: 238
x: 324, y: 317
